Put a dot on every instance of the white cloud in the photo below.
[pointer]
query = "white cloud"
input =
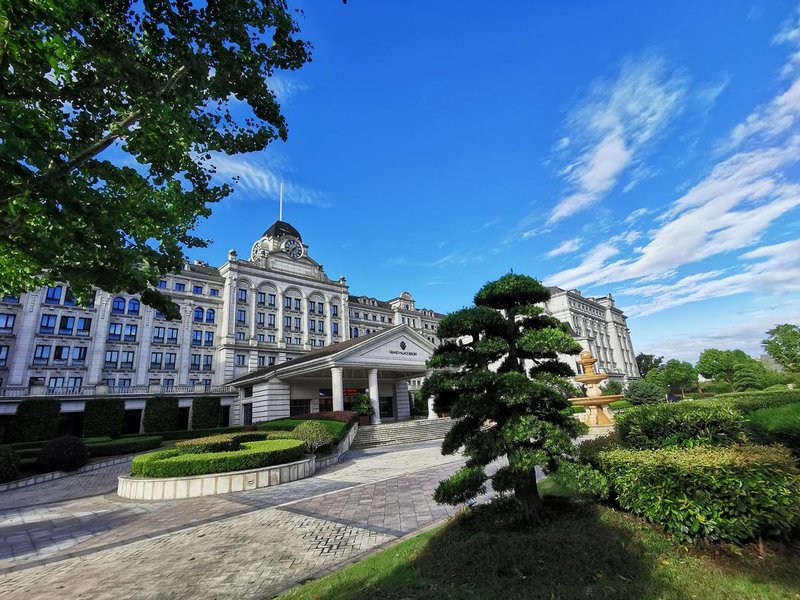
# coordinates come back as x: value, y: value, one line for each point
x: 284, y: 87
x: 259, y: 176
x: 637, y: 214
x: 565, y: 247
x: 612, y: 127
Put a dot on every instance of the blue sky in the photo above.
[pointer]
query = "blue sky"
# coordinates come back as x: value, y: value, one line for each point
x: 649, y: 150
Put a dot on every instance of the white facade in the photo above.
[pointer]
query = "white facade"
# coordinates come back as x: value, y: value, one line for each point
x: 599, y: 327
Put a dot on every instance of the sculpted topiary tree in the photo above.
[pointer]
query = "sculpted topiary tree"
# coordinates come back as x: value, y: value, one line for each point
x: 500, y: 377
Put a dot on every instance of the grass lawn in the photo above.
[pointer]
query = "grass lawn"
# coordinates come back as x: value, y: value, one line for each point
x: 582, y: 551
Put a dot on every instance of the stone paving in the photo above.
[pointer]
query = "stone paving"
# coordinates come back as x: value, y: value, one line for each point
x: 74, y: 538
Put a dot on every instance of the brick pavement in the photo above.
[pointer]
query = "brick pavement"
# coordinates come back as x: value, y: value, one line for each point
x: 243, y: 545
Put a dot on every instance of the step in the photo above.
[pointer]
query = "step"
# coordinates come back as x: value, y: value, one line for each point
x: 404, y: 432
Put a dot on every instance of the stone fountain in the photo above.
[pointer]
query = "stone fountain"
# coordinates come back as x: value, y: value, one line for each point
x: 597, y: 412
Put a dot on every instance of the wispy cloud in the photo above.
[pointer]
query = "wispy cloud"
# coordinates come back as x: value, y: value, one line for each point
x: 611, y: 128
x: 257, y: 175
x: 565, y: 247
x: 487, y: 225
x: 458, y: 259
x: 285, y: 87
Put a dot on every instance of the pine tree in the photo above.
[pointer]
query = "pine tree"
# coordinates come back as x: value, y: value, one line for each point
x: 499, y: 376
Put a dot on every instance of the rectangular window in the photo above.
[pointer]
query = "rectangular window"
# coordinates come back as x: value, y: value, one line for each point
x: 53, y: 295
x: 271, y: 300
x: 374, y: 317
x: 297, y: 323
x: 47, y: 324
x: 127, y: 359
x: 240, y: 360
x: 355, y: 314
x: 180, y: 287
x: 78, y: 354
x: 74, y: 382
x: 197, y: 337
x: 66, y: 326
x: 271, y: 339
x: 260, y: 317
x: 271, y: 320
x: 320, y: 308
x: 155, y: 360
x: 3, y: 355
x: 197, y: 289
x: 334, y: 310
x: 84, y: 326
x: 7, y: 322
x: 61, y: 353
x: 241, y: 295
x: 195, y: 366
x: 261, y: 298
x: 158, y: 334
x: 55, y: 382
x: 111, y: 359
x: 335, y: 328
x: 114, y: 332
x: 383, y: 318
x: 312, y: 325
x: 287, y: 322
x: 262, y: 360
x: 297, y: 303
x: 213, y: 292
x: 240, y: 314
x: 288, y: 340
x: 312, y: 306
x: 130, y: 332
x: 167, y: 382
x: 390, y: 320
x: 162, y: 285
x: 169, y: 361
x: 209, y: 341
x: 270, y: 361
x: 247, y: 412
x: 240, y: 336
x: 287, y: 302
x: 297, y: 341
x: 10, y: 299
x: 41, y: 355
x: 354, y: 332
x: 172, y: 338
x: 207, y: 362
x: 123, y: 383
x: 260, y: 337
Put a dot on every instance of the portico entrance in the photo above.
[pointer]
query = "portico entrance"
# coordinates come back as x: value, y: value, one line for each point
x: 379, y: 365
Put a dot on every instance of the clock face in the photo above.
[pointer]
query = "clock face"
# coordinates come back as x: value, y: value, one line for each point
x: 293, y: 248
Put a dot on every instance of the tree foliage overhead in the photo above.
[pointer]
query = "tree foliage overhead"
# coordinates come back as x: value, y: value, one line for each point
x: 156, y: 80
x: 783, y: 345
x: 499, y: 376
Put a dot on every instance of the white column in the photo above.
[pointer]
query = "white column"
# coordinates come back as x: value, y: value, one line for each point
x: 374, y: 397
x: 338, y: 388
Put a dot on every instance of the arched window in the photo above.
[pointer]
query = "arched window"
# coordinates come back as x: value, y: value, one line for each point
x: 198, y: 315
x: 209, y: 315
x: 133, y: 306
x: 118, y: 306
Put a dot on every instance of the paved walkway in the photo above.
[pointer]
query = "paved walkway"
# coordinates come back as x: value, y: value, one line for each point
x: 74, y: 538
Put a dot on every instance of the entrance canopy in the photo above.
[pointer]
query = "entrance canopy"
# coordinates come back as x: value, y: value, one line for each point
x: 395, y: 354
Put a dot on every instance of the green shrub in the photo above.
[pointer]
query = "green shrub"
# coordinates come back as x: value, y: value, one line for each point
x: 613, y: 388
x: 777, y: 426
x: 337, y: 429
x: 362, y: 405
x: 702, y: 422
x: 644, y: 391
x: 577, y: 410
x: 220, y: 442
x: 253, y: 455
x: 281, y: 435
x: 589, y: 450
x: 9, y: 465
x: 66, y: 453
x: 103, y: 417
x: 619, y: 405
x: 161, y: 414
x: 206, y: 412
x: 735, y: 493
x: 314, y: 434
x: 96, y: 440
x: 130, y: 445
x: 37, y: 420
x: 747, y: 402
x: 187, y: 434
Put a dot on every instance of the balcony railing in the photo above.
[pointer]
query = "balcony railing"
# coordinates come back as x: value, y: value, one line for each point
x: 126, y: 365
x: 120, y: 390
x: 158, y: 340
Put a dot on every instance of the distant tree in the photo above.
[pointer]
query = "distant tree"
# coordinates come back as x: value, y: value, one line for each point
x: 644, y: 391
x: 656, y: 376
x: 523, y: 396
x: 679, y: 376
x: 645, y: 362
x: 612, y: 388
x: 721, y: 365
x: 783, y: 345
x: 748, y: 377
x: 157, y: 80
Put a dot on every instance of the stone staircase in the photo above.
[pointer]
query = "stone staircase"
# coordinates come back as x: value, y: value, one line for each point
x: 403, y: 432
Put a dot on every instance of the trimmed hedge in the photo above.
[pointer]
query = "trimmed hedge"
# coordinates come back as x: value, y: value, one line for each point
x: 337, y: 429
x: 66, y: 453
x: 685, y: 424
x: 161, y: 413
x: 350, y: 417
x: 281, y: 435
x: 589, y: 450
x: 748, y: 402
x: 37, y: 420
x: 252, y: 455
x: 206, y: 412
x: 103, y: 417
x: 619, y: 405
x: 777, y: 426
x: 736, y: 493
x: 220, y: 442
x: 9, y: 465
x: 131, y: 445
